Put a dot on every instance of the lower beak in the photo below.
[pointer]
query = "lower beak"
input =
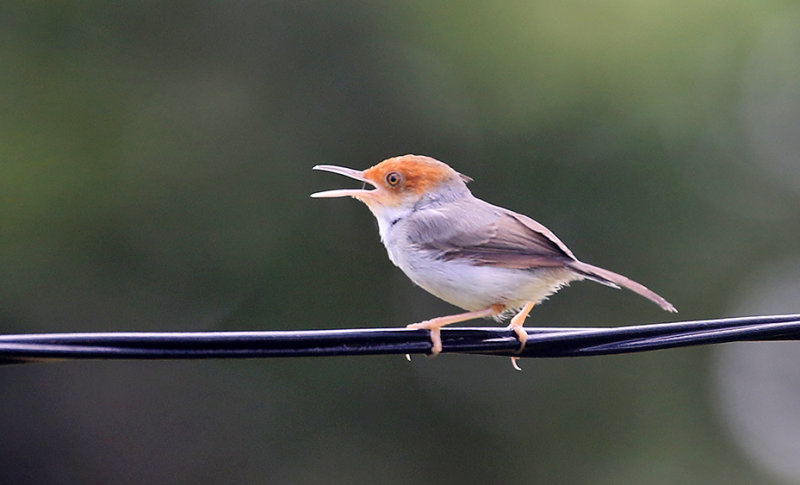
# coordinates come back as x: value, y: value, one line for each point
x: 347, y: 172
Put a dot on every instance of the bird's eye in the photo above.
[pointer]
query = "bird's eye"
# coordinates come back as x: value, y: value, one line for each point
x: 394, y: 178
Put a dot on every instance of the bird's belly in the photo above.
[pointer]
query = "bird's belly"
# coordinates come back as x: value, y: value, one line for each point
x: 473, y: 287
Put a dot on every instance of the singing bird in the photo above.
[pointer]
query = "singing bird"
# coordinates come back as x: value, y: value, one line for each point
x: 488, y: 260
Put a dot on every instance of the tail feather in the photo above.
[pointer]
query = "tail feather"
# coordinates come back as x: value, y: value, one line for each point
x: 615, y: 280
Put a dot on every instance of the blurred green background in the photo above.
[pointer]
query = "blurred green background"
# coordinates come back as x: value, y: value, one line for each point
x: 155, y: 167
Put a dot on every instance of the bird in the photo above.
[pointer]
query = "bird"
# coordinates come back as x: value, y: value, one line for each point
x: 488, y: 260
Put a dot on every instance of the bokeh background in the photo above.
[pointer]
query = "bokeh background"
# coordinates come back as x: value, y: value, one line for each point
x: 155, y: 166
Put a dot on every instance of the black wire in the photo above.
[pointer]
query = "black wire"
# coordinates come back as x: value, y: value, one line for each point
x: 542, y: 342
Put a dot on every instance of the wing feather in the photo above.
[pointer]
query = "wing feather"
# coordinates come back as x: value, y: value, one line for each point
x: 490, y: 236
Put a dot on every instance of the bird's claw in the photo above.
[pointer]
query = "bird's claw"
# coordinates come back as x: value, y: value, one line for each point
x: 522, y: 335
x: 436, y: 335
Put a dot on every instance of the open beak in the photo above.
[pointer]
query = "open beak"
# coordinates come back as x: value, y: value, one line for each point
x: 347, y: 172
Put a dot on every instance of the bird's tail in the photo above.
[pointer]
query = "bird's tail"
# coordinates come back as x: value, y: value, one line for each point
x: 616, y: 280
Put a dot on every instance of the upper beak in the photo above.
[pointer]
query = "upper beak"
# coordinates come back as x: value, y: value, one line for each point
x: 348, y: 172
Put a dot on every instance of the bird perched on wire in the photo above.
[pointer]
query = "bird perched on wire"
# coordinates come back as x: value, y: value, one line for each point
x: 485, y: 259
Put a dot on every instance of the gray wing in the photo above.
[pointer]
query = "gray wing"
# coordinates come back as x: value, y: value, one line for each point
x: 488, y: 235
x: 494, y: 236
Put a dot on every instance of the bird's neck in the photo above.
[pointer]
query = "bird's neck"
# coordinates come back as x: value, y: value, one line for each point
x: 387, y: 217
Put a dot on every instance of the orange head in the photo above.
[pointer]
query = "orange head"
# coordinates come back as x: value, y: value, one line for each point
x: 400, y: 182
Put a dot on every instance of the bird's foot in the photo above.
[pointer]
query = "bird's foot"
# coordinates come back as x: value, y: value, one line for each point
x: 520, y: 332
x: 436, y: 334
x: 517, y: 326
x: 522, y: 335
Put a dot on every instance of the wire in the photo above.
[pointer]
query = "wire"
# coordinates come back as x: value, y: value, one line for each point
x: 542, y: 342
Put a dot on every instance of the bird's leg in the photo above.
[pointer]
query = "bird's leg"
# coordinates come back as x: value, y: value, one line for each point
x: 435, y: 324
x: 516, y: 325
